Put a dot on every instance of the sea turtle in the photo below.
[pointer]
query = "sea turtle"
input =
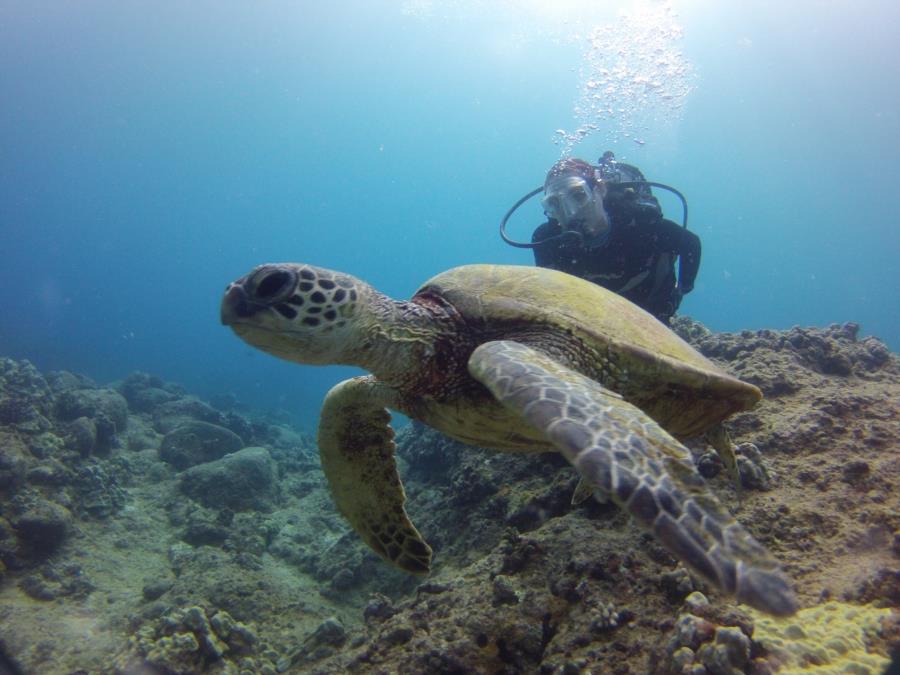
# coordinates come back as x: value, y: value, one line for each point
x: 512, y: 358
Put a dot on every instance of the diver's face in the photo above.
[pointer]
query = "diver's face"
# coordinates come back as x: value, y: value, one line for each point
x: 572, y: 202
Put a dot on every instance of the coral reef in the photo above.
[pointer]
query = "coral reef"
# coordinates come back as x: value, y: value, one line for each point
x: 195, y: 442
x: 835, y: 637
x: 830, y: 638
x: 190, y: 640
x: 240, y: 481
x: 145, y: 530
x: 26, y: 402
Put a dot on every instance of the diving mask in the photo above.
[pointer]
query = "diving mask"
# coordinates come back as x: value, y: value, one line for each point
x: 571, y: 201
x: 565, y: 197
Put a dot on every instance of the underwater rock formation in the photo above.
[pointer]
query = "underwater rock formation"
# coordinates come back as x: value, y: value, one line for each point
x: 190, y: 640
x: 241, y: 481
x: 186, y: 537
x: 832, y: 637
x: 144, y: 392
x: 26, y: 402
x: 195, y: 442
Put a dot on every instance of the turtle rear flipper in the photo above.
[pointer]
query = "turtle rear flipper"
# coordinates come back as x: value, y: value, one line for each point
x: 620, y: 450
x: 356, y: 446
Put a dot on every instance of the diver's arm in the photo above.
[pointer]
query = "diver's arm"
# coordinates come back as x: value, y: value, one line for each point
x: 689, y: 260
x: 686, y: 245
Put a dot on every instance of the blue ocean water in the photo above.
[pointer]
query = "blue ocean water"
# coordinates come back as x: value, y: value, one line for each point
x: 152, y: 152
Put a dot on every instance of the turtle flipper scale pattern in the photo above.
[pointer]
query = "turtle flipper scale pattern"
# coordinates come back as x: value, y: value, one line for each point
x: 356, y: 447
x: 620, y: 450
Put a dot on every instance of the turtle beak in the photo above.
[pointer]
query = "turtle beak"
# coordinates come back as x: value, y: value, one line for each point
x: 235, y: 304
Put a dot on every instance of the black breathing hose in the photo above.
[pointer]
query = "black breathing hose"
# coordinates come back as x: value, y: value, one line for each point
x: 571, y: 233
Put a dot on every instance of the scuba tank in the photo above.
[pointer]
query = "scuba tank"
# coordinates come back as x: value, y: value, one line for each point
x: 628, y: 190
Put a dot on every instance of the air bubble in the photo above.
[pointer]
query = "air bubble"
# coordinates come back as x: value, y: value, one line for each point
x: 632, y: 73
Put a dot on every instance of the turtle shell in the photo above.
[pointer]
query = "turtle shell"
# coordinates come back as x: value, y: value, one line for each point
x: 616, y: 342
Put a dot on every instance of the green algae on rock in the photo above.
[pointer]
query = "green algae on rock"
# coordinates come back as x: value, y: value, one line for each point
x: 828, y: 639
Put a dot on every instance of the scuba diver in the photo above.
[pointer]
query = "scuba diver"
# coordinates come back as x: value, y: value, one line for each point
x: 605, y: 225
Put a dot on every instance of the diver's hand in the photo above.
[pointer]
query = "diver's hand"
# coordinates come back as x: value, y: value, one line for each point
x: 675, y: 299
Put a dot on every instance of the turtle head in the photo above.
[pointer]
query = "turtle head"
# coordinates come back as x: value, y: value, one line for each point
x: 297, y: 312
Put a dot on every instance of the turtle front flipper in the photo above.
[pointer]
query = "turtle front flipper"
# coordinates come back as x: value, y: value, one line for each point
x: 356, y: 446
x: 621, y: 451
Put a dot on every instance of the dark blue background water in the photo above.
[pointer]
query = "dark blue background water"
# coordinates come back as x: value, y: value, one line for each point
x: 151, y: 152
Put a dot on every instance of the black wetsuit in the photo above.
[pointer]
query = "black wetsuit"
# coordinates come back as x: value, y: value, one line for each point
x: 637, y: 261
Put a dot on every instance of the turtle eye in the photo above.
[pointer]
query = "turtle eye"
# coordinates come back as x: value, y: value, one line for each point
x: 274, y: 284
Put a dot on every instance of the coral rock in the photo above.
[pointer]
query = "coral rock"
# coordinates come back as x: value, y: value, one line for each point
x: 194, y: 443
x: 43, y: 527
x: 835, y: 634
x: 239, y: 481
